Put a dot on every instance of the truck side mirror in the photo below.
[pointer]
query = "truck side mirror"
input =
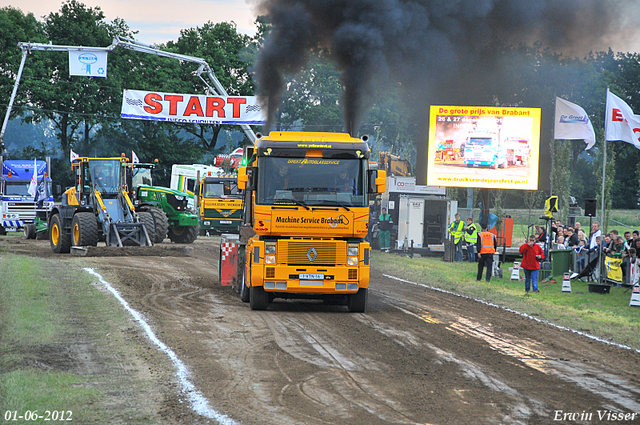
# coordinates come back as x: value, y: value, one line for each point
x: 377, y: 181
x: 243, y: 178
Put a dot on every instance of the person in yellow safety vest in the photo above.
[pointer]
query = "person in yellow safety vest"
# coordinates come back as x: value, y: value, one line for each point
x: 471, y: 238
x: 487, y: 244
x: 456, y: 228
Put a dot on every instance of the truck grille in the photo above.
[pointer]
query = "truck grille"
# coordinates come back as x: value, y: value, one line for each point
x: 311, y: 252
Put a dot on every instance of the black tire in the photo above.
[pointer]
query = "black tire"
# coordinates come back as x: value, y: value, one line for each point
x: 184, y: 234
x: 244, y: 289
x: 59, y: 240
x: 161, y: 222
x: 3, y: 231
x: 29, y: 231
x: 358, y: 301
x: 147, y: 219
x: 258, y: 298
x: 84, y: 229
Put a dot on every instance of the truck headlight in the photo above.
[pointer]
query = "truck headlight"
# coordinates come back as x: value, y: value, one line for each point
x: 352, y: 252
x: 270, y: 253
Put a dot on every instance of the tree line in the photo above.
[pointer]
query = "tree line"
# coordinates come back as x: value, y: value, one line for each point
x: 83, y: 112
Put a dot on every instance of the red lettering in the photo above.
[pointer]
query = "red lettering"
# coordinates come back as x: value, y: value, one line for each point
x: 637, y: 130
x: 215, y: 104
x: 236, y: 105
x: 617, y: 115
x: 173, y: 103
x: 443, y: 111
x: 193, y: 107
x: 152, y: 99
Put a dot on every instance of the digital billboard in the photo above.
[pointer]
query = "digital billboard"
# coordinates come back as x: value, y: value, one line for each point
x: 484, y: 147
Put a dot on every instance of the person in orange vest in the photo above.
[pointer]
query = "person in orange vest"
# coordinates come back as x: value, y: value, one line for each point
x: 486, y: 246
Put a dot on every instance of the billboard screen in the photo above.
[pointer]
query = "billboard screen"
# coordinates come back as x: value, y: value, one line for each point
x: 484, y: 147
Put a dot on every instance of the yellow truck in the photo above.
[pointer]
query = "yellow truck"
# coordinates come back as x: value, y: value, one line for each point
x: 219, y: 204
x: 305, y: 218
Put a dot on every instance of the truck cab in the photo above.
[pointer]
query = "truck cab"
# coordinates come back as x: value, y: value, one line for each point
x: 220, y: 204
x: 305, y: 218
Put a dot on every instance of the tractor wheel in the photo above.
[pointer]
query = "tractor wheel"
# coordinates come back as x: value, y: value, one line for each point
x: 84, y: 229
x: 358, y: 301
x: 29, y: 231
x: 258, y: 298
x: 59, y: 240
x: 184, y: 234
x: 3, y: 231
x: 161, y: 222
x: 149, y: 224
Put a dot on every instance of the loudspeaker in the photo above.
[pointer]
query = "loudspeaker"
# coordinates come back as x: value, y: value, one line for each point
x: 590, y: 207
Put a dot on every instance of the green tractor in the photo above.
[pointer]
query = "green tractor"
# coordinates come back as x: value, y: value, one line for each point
x: 98, y: 208
x: 168, y: 207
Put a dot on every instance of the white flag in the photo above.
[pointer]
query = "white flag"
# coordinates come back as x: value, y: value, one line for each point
x: 88, y: 63
x: 72, y: 155
x: 573, y: 123
x: 33, y: 184
x: 134, y: 158
x: 620, y: 121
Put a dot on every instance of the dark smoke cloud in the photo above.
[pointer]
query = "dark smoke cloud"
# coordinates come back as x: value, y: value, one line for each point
x: 430, y: 47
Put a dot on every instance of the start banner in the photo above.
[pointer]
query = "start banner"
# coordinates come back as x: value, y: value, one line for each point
x: 191, y: 108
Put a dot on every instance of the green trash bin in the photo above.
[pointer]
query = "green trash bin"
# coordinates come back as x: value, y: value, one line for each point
x: 561, y: 262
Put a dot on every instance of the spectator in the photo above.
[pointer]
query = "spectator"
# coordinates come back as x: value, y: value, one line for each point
x: 572, y: 239
x: 541, y: 235
x: 628, y: 240
x: 594, y: 238
x: 577, y: 227
x: 581, y: 251
x: 581, y: 235
x: 560, y: 243
x: 531, y: 256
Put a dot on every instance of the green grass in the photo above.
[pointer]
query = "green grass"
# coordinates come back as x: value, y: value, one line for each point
x: 607, y: 316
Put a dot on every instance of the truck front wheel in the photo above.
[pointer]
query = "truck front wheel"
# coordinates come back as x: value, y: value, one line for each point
x: 358, y: 301
x: 258, y: 299
x: 244, y: 289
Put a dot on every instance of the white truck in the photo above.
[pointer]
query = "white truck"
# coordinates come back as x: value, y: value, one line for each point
x: 485, y: 149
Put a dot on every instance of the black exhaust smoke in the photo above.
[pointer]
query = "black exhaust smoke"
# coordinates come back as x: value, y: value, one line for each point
x: 429, y: 47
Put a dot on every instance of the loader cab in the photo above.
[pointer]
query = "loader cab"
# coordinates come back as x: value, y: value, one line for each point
x: 101, y: 175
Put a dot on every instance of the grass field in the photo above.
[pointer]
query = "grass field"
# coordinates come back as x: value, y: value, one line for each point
x: 606, y: 316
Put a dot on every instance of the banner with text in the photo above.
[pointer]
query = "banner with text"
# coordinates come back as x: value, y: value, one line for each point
x: 484, y: 147
x: 191, y: 108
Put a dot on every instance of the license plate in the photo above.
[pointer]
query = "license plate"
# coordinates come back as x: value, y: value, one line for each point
x: 225, y: 222
x: 311, y: 276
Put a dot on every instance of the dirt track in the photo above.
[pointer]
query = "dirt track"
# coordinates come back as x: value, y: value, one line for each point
x: 416, y: 356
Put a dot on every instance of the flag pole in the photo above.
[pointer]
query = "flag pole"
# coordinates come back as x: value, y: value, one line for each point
x: 604, y: 155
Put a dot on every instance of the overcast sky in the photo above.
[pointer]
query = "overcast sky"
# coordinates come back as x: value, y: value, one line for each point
x: 157, y: 21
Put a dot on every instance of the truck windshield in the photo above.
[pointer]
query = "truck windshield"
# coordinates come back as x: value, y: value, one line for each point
x: 311, y: 181
x: 17, y: 189
x: 220, y: 189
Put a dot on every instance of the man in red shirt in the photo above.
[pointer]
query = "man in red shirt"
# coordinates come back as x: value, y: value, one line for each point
x: 531, y: 256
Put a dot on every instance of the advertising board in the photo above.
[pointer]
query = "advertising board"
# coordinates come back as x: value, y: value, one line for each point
x: 484, y: 147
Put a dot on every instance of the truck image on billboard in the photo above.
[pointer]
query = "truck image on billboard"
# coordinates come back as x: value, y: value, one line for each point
x: 484, y: 147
